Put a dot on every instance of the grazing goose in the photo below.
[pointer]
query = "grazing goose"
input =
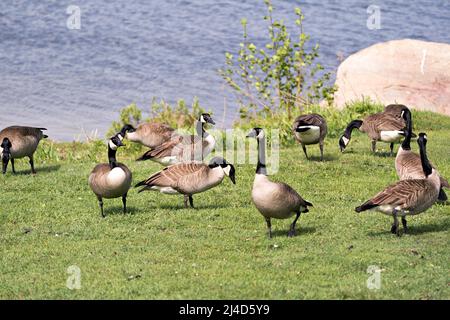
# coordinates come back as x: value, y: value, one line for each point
x: 185, y: 148
x: 148, y: 134
x: 113, y: 179
x: 407, y: 197
x: 18, y: 142
x: 310, y: 129
x: 408, y: 164
x: 385, y: 126
x: 189, y: 178
x: 274, y: 199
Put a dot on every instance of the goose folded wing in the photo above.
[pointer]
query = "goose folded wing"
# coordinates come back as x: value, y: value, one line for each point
x: 405, y: 194
x: 170, y: 176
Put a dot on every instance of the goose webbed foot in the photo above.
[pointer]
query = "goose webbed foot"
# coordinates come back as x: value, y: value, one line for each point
x: 394, y: 229
x: 190, y: 199
x: 291, y: 232
x: 100, y: 203
x: 404, y: 223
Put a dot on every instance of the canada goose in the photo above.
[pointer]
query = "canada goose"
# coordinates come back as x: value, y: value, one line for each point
x: 113, y: 179
x: 19, y: 142
x: 185, y: 148
x: 385, y: 126
x: 149, y: 134
x: 189, y: 178
x: 407, y: 197
x: 408, y: 164
x: 310, y: 129
x: 274, y: 199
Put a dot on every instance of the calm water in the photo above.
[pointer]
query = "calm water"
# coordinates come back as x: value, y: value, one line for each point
x: 75, y: 81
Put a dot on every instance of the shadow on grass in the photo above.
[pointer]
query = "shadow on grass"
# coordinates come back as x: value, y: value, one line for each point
x: 118, y: 210
x: 176, y: 206
x: 414, y: 230
x: 326, y: 158
x: 385, y: 154
x: 299, y: 231
x: 39, y: 170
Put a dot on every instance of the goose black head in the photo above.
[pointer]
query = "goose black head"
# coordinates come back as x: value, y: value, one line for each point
x: 227, y: 167
x: 206, y: 118
x: 6, y: 153
x: 257, y: 133
x: 127, y: 128
x: 422, y: 140
x: 116, y: 141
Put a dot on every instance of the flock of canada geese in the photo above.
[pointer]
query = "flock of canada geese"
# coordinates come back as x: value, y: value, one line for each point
x: 185, y: 172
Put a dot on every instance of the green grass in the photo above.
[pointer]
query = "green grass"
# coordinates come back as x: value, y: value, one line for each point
x: 220, y: 250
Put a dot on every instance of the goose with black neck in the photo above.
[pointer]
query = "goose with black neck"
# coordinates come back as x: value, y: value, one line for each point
x: 113, y: 179
x: 274, y: 200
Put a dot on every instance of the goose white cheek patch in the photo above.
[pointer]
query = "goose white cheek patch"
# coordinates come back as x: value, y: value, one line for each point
x: 345, y: 140
x: 202, y: 119
x: 112, y: 145
x: 227, y: 170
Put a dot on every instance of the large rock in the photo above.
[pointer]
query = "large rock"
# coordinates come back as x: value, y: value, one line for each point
x: 411, y: 72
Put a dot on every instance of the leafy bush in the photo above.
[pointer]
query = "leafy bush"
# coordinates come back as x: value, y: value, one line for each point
x: 178, y: 116
x: 279, y: 78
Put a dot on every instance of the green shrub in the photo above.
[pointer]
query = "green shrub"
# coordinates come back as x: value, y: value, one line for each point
x: 280, y: 77
x: 178, y: 116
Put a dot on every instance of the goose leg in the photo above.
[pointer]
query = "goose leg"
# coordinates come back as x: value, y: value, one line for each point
x: 292, y: 229
x: 124, y: 201
x: 321, y: 150
x: 405, y: 227
x: 185, y: 201
x: 100, y: 203
x: 12, y: 165
x: 304, y: 150
x: 191, y: 201
x: 395, y: 226
x: 374, y: 145
x: 32, y: 165
x: 392, y: 148
x: 269, y: 227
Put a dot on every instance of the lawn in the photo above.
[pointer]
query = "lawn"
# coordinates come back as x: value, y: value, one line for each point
x: 220, y: 250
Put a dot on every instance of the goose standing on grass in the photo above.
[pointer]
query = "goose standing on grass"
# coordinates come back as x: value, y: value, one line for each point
x: 18, y: 142
x: 407, y: 197
x: 310, y: 129
x: 185, y: 148
x: 274, y: 199
x: 387, y: 126
x: 408, y: 164
x: 148, y: 134
x: 113, y: 179
x: 189, y: 178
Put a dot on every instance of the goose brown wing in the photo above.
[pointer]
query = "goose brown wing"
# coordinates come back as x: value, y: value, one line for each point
x: 22, y: 131
x: 312, y: 119
x: 168, y: 177
x: 405, y: 193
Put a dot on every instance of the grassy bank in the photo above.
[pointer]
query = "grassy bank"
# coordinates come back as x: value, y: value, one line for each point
x: 220, y: 250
